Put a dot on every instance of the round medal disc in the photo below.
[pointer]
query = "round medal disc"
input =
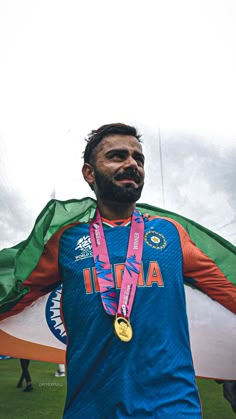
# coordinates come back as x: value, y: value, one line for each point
x: 123, y: 329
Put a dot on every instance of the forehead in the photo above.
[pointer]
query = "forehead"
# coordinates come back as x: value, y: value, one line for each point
x: 117, y: 141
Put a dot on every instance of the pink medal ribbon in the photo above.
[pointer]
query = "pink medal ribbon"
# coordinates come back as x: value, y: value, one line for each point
x: 130, y: 276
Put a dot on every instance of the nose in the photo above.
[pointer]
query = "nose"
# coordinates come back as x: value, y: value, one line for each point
x: 131, y: 162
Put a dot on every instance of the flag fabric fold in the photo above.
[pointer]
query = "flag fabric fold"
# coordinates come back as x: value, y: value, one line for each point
x: 18, y: 262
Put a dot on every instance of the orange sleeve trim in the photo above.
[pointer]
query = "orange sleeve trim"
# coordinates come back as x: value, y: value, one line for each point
x: 44, y: 277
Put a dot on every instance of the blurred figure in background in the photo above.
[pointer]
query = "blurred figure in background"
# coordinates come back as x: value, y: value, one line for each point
x: 25, y: 375
x: 229, y: 391
x: 60, y: 372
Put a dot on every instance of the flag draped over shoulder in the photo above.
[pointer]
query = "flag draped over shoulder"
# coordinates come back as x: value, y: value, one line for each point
x: 17, y: 263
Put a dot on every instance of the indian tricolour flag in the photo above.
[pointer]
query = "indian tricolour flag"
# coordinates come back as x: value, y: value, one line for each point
x: 37, y: 331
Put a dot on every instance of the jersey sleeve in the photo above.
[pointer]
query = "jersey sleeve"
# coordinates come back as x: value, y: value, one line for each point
x: 43, y: 279
x: 203, y: 273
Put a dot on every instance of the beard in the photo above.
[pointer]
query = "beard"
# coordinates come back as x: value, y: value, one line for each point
x: 109, y: 191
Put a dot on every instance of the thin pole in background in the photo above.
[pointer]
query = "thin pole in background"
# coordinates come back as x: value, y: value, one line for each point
x: 161, y: 165
x: 53, y: 194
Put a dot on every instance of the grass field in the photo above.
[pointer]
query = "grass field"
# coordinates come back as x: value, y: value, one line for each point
x: 46, y: 401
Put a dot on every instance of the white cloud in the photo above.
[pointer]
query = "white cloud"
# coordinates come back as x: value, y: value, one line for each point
x: 69, y: 67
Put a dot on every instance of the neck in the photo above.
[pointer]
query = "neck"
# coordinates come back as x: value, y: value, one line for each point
x: 115, y: 210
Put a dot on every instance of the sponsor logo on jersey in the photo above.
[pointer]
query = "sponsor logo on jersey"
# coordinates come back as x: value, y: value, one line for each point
x: 53, y: 315
x: 136, y: 241
x: 155, y: 240
x: 97, y: 233
x: 83, y: 246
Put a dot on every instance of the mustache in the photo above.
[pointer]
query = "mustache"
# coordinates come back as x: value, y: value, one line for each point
x: 129, y: 174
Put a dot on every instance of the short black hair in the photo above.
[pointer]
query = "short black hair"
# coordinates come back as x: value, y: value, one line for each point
x: 95, y: 136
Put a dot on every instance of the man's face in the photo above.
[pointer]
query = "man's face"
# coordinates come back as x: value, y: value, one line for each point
x: 119, y: 169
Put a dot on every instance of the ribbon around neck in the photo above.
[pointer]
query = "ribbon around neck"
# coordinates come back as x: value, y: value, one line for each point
x: 131, y: 270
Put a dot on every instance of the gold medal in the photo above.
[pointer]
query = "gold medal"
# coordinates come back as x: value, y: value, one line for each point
x: 123, y: 329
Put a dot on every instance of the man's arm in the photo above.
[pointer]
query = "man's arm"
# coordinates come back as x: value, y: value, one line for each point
x: 43, y: 279
x: 203, y: 273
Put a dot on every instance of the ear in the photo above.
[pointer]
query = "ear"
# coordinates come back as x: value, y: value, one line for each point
x: 88, y: 173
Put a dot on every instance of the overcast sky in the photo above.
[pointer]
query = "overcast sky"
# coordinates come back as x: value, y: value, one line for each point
x: 167, y: 67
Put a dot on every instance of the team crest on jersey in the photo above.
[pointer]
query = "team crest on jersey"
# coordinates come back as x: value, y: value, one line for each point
x: 155, y: 240
x: 53, y: 315
x: 84, y: 248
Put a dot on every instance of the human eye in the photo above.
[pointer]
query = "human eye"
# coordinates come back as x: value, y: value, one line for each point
x: 140, y: 160
x: 116, y: 155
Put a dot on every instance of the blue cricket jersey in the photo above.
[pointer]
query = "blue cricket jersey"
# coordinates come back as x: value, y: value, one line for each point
x: 152, y: 376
